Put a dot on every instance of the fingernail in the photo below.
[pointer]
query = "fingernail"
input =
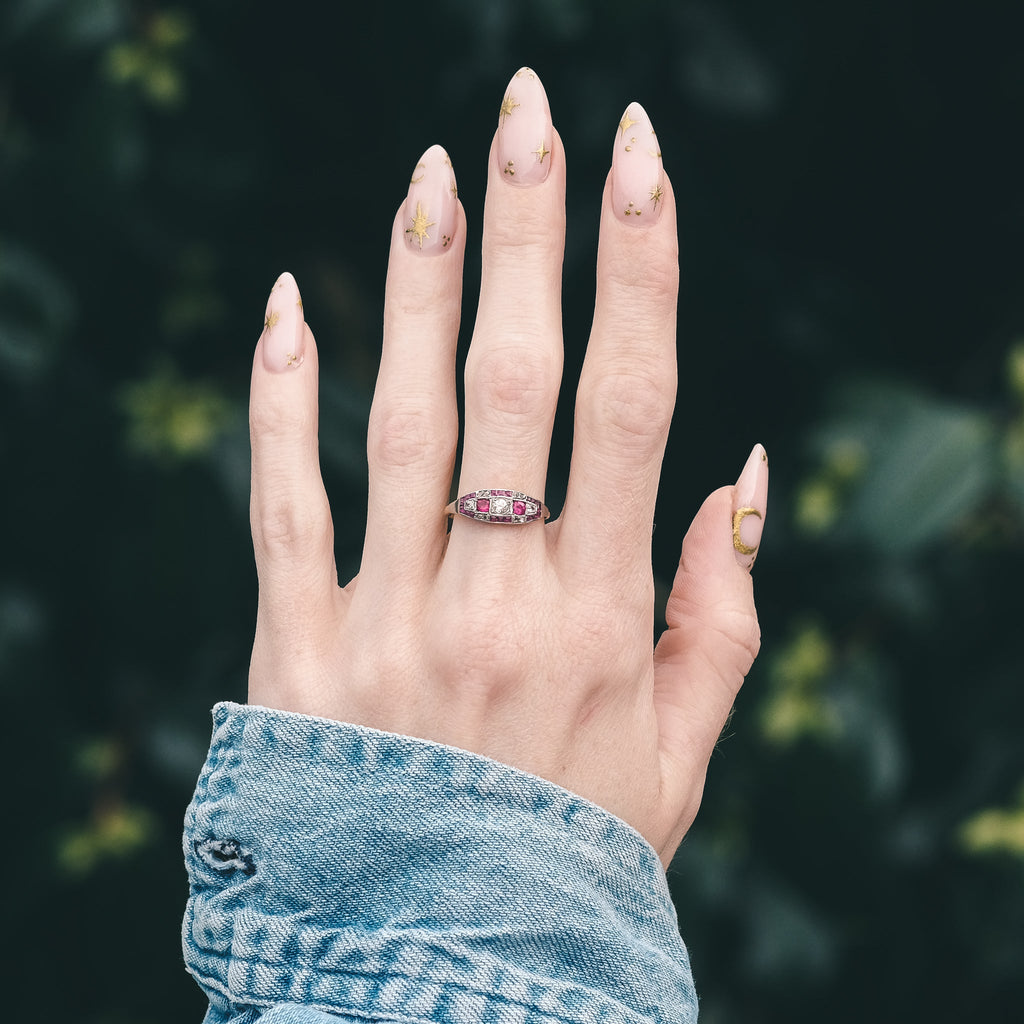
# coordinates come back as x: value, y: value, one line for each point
x: 431, y: 207
x: 525, y: 134
x: 751, y: 505
x: 637, y: 177
x: 283, y: 335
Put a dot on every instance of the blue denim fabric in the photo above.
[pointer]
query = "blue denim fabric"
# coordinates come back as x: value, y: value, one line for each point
x: 338, y: 872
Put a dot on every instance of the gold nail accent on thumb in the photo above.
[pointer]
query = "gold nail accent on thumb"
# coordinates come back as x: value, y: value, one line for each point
x: 737, y: 521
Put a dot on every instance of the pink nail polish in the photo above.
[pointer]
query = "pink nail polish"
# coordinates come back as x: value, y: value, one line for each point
x: 750, y: 507
x: 525, y: 134
x: 637, y: 176
x: 431, y: 207
x: 283, y: 337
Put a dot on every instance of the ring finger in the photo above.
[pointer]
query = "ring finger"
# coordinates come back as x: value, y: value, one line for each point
x: 514, y: 365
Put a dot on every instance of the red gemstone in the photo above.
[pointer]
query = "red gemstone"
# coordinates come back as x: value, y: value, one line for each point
x: 483, y: 505
x: 519, y: 508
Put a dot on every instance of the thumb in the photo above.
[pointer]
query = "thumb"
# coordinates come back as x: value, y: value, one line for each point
x: 713, y: 635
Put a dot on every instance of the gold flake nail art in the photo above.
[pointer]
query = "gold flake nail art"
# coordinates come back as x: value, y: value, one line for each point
x: 283, y: 339
x: 508, y: 104
x: 420, y: 225
x: 524, y: 141
x: 637, y: 182
x: 431, y: 206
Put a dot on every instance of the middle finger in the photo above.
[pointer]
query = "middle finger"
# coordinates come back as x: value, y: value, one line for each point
x: 514, y: 365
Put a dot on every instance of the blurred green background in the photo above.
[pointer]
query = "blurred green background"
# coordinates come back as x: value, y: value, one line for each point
x: 851, y: 210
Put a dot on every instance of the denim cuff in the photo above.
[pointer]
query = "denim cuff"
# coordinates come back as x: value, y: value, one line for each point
x: 371, y: 876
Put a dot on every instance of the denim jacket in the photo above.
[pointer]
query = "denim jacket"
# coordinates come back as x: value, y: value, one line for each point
x: 338, y: 872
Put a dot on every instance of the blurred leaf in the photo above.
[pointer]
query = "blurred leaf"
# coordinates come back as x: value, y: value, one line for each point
x: 22, y: 622
x: 170, y: 416
x: 152, y: 61
x: 36, y: 311
x: 786, y: 936
x: 115, y: 833
x: 1015, y: 370
x: 839, y: 700
x: 99, y: 759
x: 923, y: 466
x: 796, y: 707
x: 996, y: 830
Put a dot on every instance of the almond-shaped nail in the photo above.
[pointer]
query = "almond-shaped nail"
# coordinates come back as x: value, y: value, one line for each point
x: 431, y: 207
x: 750, y: 507
x: 284, y: 335
x: 525, y: 134
x: 638, y: 180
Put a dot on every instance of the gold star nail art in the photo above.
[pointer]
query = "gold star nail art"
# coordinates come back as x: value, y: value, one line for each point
x: 414, y: 180
x: 626, y: 123
x: 541, y: 152
x: 656, y: 194
x: 420, y: 225
x: 508, y: 104
x: 271, y: 321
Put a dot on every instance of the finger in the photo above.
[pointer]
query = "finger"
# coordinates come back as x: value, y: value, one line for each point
x: 413, y: 427
x: 293, y: 537
x: 514, y: 365
x: 628, y: 382
x: 712, y: 636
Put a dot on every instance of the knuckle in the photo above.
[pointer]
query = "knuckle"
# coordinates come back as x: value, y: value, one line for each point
x: 528, y: 231
x: 400, y: 438
x: 485, y: 649
x: 271, y: 422
x: 652, y: 274
x: 284, y: 528
x: 633, y: 409
x: 516, y: 381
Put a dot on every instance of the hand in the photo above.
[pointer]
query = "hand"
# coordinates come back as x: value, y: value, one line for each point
x: 530, y: 644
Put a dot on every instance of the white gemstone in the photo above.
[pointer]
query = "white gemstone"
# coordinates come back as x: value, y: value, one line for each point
x: 501, y: 506
x: 469, y: 504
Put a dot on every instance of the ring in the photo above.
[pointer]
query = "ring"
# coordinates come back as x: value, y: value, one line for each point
x: 498, y: 506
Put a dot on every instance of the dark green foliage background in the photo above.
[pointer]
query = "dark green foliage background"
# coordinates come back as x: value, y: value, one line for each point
x: 851, y: 212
